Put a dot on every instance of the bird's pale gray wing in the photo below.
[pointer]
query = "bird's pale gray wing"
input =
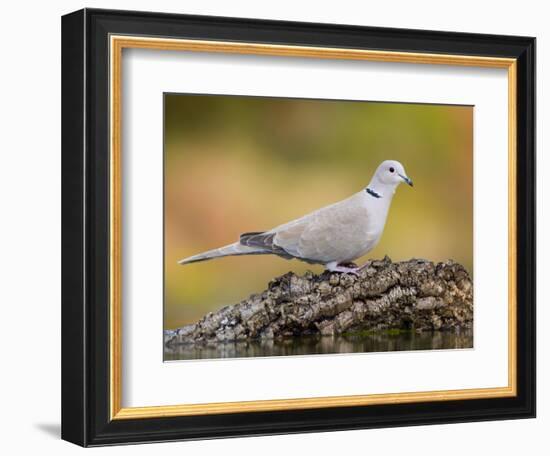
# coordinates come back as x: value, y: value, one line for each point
x: 337, y: 234
x: 333, y: 233
x: 287, y: 236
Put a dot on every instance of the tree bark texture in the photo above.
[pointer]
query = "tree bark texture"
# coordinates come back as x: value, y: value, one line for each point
x: 414, y: 295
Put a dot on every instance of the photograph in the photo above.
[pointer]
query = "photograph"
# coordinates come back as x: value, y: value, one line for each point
x: 315, y: 226
x: 293, y: 224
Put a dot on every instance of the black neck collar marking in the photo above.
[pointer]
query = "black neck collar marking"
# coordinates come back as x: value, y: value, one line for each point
x: 373, y: 193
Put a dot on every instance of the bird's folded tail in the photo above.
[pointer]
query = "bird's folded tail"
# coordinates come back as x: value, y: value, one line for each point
x: 232, y: 249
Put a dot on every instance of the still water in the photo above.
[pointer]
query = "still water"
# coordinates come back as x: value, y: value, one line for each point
x: 312, y: 345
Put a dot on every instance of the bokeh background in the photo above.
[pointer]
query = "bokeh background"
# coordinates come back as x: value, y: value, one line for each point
x: 235, y: 164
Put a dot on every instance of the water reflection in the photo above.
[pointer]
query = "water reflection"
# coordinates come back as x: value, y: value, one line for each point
x: 311, y: 345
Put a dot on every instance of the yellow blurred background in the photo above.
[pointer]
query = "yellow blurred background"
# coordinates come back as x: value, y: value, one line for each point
x: 235, y: 164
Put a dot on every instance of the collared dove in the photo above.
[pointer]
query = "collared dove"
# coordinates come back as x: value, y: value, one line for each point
x: 334, y: 235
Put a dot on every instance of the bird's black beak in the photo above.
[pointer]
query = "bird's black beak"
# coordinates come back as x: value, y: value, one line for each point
x: 406, y: 179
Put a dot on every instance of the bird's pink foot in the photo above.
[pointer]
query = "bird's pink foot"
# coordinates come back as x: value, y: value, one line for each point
x: 343, y: 267
x: 365, y: 265
x: 348, y: 264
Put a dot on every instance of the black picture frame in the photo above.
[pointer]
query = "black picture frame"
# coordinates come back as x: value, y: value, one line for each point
x: 85, y: 228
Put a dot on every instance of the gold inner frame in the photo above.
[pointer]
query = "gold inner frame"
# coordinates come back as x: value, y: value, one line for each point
x: 117, y: 44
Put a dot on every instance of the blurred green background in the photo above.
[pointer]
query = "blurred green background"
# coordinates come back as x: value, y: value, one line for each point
x: 235, y: 164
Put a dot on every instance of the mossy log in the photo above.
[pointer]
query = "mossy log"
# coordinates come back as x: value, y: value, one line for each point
x: 415, y: 295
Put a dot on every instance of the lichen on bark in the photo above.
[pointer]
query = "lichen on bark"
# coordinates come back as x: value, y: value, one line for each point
x: 417, y: 294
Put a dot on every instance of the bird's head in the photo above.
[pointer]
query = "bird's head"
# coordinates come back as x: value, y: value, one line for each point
x: 391, y: 172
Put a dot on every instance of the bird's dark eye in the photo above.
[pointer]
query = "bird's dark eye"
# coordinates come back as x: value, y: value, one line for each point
x: 392, y: 170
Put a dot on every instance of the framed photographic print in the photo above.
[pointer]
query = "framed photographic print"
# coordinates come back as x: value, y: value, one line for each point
x: 277, y: 227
